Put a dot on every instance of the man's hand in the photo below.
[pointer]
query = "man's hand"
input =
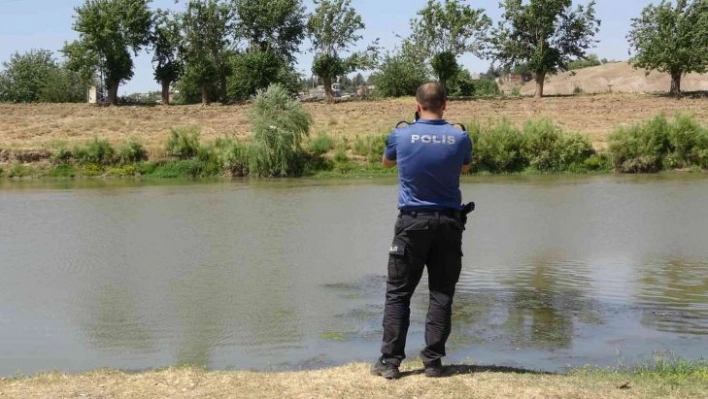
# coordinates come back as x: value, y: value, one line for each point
x: 465, y: 168
x: 387, y: 163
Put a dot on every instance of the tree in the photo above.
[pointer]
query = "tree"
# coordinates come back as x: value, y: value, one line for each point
x: 333, y: 29
x: 672, y: 39
x: 544, y: 34
x: 399, y: 75
x: 446, y: 31
x: 36, y: 77
x: 108, y: 31
x: 167, y: 44
x: 254, y: 70
x: 25, y: 76
x: 277, y: 25
x: 207, y: 25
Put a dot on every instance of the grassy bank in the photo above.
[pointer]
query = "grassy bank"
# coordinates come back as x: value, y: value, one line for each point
x: 538, y: 146
x: 663, y: 380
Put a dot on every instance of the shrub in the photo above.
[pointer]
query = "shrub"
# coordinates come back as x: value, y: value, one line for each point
x: 183, y: 143
x: 340, y: 156
x: 321, y: 144
x: 18, y: 171
x: 498, y: 149
x: 280, y: 125
x: 1, y: 171
x: 542, y: 143
x: 371, y: 147
x: 133, y: 152
x: 236, y: 160
x: 640, y: 148
x: 98, y: 152
x: 688, y: 144
x: 63, y: 156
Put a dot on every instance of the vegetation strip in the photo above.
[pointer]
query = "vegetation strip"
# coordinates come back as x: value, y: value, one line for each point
x: 538, y: 147
x: 664, y: 379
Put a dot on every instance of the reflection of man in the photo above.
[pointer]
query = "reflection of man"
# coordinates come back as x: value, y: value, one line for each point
x: 430, y: 155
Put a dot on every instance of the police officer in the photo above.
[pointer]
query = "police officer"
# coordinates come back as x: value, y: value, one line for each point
x: 430, y: 154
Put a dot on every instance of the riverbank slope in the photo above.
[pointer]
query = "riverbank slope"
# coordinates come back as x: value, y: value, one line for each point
x: 354, y: 381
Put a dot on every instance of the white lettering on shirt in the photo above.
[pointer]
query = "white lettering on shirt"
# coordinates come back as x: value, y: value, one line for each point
x: 430, y: 139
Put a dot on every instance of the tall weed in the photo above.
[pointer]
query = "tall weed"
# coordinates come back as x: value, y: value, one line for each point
x: 183, y: 143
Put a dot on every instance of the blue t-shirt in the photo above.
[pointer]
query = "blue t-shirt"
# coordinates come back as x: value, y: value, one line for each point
x: 430, y: 154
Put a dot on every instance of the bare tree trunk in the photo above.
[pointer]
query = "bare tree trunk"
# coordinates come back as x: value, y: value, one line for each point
x: 113, y: 93
x: 540, y: 80
x: 443, y: 83
x: 328, y: 88
x: 205, y: 96
x: 675, y: 85
x: 166, y: 92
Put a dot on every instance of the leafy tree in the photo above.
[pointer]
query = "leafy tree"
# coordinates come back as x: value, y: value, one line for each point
x: 399, y: 75
x: 167, y: 42
x: 672, y: 39
x: 446, y: 31
x: 254, y: 70
x: 544, y: 34
x: 276, y: 25
x: 333, y: 29
x: 207, y: 25
x: 36, y: 77
x: 108, y: 31
x: 25, y: 75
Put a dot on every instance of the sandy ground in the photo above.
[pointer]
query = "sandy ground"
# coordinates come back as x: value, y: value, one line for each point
x: 38, y: 126
x: 617, y: 77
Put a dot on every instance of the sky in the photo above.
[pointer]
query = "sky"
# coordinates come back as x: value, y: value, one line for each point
x: 47, y: 24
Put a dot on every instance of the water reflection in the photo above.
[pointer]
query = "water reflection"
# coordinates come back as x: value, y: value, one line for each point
x: 674, y: 296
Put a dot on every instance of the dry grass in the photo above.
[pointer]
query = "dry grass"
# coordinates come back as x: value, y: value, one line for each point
x: 351, y: 381
x: 46, y: 125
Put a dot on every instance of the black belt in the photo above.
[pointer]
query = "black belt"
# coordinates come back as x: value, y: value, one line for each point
x: 425, y: 212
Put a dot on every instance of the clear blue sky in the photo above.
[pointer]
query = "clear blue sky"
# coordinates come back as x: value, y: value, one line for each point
x: 28, y: 24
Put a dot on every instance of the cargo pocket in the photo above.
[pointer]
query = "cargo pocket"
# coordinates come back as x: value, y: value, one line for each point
x: 396, y: 260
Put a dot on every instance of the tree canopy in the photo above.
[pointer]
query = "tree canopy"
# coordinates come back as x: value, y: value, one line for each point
x: 109, y: 30
x: 333, y: 28
x: 543, y: 34
x: 444, y: 31
x: 672, y: 39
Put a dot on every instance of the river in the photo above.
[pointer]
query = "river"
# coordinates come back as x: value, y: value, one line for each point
x: 279, y: 275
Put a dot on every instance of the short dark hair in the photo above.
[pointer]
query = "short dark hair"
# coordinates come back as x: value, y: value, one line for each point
x: 431, y: 96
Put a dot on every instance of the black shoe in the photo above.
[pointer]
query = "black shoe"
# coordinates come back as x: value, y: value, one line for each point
x: 385, y: 369
x: 434, y: 369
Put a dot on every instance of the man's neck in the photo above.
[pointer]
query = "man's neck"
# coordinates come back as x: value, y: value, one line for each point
x: 431, y: 116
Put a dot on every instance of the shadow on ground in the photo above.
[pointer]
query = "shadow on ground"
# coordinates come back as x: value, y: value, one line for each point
x: 458, y: 369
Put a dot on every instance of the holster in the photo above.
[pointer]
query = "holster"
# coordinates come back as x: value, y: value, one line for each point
x: 466, y: 209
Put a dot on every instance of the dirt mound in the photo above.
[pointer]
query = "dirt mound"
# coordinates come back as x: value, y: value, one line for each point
x: 617, y: 77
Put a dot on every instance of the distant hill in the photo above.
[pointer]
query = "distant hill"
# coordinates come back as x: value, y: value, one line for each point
x: 616, y: 77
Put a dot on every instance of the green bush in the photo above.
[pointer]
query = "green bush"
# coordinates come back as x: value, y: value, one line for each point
x: 235, y: 159
x: 280, y: 125
x: 133, y: 152
x: 98, y: 152
x: 63, y: 171
x: 321, y: 144
x: 179, y: 169
x: 62, y: 156
x: 688, y: 144
x: 499, y: 149
x: 1, y: 171
x: 183, y: 143
x: 19, y: 170
x: 340, y: 156
x: 640, y: 148
x: 371, y: 147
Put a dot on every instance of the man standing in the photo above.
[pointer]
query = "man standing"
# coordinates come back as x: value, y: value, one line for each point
x: 430, y: 154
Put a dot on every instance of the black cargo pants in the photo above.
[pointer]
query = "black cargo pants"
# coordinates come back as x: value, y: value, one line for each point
x: 424, y: 238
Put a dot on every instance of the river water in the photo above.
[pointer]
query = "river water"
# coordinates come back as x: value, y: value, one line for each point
x: 282, y: 275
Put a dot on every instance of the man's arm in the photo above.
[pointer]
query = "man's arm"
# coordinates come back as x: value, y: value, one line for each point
x: 388, y: 160
x: 387, y: 163
x: 468, y: 155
